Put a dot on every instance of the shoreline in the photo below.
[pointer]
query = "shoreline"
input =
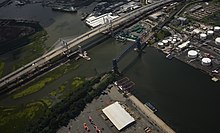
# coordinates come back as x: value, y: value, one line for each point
x: 214, y: 77
x: 149, y: 114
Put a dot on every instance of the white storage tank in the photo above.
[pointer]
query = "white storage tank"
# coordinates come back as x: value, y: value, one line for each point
x: 217, y: 41
x: 160, y: 44
x: 165, y: 42
x: 192, y: 54
x: 210, y: 32
x: 169, y: 40
x: 216, y: 28
x: 206, y: 61
x: 178, y: 39
x: 203, y: 36
x: 175, y: 35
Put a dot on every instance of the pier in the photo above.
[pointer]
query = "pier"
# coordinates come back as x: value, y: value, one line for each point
x: 151, y: 115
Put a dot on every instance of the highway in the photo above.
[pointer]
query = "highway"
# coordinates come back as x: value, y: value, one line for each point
x: 44, y: 59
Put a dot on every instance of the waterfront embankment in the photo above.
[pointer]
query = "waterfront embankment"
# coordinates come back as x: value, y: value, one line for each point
x: 151, y: 115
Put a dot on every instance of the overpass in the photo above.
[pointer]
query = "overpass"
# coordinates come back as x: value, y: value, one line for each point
x: 15, y: 76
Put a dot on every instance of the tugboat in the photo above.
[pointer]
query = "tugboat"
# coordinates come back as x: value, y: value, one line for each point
x: 64, y: 9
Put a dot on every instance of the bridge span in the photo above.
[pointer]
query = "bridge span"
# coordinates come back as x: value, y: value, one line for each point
x: 72, y: 44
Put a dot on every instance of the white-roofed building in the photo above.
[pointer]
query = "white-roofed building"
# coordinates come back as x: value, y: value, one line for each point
x: 93, y: 21
x: 183, y: 45
x: 118, y: 115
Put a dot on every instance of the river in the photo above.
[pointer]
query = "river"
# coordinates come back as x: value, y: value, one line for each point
x: 186, y: 98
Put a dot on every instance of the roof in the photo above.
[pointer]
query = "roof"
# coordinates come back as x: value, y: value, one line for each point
x: 118, y: 115
x: 96, y: 21
x: 183, y: 45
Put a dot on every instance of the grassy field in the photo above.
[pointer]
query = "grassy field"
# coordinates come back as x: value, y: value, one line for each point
x: 47, y: 101
x: 32, y: 89
x: 14, y: 119
x: 49, y: 77
x: 77, y: 83
x: 32, y: 50
x: 1, y: 67
x: 57, y: 91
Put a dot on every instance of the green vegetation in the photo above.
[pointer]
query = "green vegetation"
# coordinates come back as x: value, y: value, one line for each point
x: 15, y: 34
x: 46, y: 101
x: 49, y: 77
x: 162, y: 34
x: 57, y: 91
x: 71, y: 106
x: 32, y: 89
x: 1, y: 67
x: 212, y: 19
x: 77, y: 83
x: 14, y: 119
x: 32, y: 50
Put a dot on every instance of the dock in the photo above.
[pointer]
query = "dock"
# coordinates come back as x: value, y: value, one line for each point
x: 151, y: 115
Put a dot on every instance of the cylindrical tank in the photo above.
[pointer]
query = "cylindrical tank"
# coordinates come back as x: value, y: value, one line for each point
x: 217, y: 41
x: 206, y: 61
x: 174, y: 40
x: 178, y: 39
x: 192, y: 54
x: 160, y: 44
x: 210, y: 32
x: 217, y: 28
x: 203, y: 36
x: 165, y: 42
x: 169, y: 40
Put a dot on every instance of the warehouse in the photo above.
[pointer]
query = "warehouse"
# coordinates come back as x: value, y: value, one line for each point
x: 118, y: 115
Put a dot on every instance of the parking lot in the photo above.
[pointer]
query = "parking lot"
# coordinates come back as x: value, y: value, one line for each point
x: 205, y: 11
x: 100, y: 121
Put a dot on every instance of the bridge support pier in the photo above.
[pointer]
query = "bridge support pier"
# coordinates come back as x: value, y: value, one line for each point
x: 138, y: 45
x: 115, y: 66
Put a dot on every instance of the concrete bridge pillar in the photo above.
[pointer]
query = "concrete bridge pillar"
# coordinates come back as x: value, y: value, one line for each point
x: 138, y: 44
x: 115, y: 66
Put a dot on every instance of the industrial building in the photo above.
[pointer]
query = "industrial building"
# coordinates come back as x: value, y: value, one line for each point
x: 94, y: 21
x: 118, y: 115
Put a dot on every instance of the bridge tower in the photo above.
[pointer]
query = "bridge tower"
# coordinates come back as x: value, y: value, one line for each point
x: 65, y: 45
x: 115, y: 66
x: 80, y: 49
x: 108, y: 21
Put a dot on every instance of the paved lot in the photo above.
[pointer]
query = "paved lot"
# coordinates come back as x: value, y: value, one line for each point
x: 94, y: 110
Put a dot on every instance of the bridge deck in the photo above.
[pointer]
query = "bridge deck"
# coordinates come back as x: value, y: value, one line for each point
x: 76, y: 41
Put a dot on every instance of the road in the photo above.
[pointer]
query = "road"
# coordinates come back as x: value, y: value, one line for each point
x: 44, y: 59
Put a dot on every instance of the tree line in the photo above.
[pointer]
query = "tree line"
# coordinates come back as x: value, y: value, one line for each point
x: 70, y: 107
